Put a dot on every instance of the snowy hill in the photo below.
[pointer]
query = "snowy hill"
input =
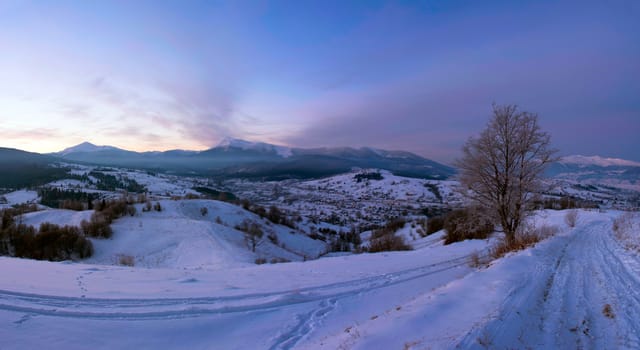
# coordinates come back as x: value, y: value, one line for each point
x: 181, y: 236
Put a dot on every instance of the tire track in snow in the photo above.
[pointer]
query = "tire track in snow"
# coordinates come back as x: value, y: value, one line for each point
x: 624, y: 291
x: 306, y: 323
x: 170, y: 308
x: 566, y: 310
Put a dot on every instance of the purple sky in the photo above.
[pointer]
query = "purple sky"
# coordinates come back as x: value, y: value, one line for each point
x: 416, y: 76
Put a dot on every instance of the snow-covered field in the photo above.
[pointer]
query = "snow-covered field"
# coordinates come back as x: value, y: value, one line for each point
x: 18, y: 197
x: 553, y: 296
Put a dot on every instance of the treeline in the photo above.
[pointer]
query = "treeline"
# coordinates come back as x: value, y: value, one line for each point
x: 49, y: 242
x: 563, y: 203
x: 273, y: 214
x: 66, y: 199
x: 15, y: 176
x: 106, y: 211
x: 217, y: 195
x: 107, y: 182
x: 368, y: 176
x: 56, y: 243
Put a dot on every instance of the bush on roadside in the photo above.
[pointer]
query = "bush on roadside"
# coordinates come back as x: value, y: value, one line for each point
x: 435, y: 224
x: 464, y: 224
x: 126, y: 260
x: 571, y: 218
x: 522, y: 240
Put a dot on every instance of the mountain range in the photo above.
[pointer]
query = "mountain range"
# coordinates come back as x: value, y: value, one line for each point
x: 240, y: 158
x: 592, y: 170
x: 264, y: 161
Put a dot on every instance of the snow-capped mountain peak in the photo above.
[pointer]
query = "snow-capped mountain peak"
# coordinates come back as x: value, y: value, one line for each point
x: 85, y: 147
x: 228, y: 142
x: 597, y: 161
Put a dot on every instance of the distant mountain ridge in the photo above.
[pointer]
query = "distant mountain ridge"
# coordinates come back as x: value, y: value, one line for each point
x: 20, y: 168
x: 585, y: 161
x: 86, y: 147
x: 596, y: 170
x: 240, y: 158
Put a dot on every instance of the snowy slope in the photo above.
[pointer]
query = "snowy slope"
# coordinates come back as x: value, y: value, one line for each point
x: 18, y: 197
x: 391, y: 186
x: 257, y: 307
x: 552, y: 296
x: 181, y: 237
x: 60, y: 217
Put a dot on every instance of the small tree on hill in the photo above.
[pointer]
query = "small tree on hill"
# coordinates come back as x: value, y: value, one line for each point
x: 501, y: 168
x: 253, y: 233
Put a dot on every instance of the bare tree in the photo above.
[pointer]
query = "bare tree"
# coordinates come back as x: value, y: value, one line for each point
x: 252, y: 233
x: 501, y: 169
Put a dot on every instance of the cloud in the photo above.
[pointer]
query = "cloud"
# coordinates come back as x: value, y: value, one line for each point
x: 200, y: 113
x: 433, y: 113
x: 30, y: 134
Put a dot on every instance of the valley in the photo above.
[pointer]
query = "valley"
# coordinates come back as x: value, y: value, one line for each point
x: 180, y: 268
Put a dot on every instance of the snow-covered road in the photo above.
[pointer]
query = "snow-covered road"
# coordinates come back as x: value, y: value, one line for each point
x: 584, y: 293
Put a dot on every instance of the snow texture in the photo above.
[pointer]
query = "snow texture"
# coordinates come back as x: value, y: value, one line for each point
x: 575, y: 290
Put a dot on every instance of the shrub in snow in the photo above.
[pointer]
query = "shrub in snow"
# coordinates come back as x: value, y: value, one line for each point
x: 17, y: 240
x: 204, y: 211
x: 463, y: 224
x: 345, y: 241
x: 571, y: 218
x: 389, y: 242
x: 253, y: 233
x: 97, y: 227
x: 51, y: 242
x: 607, y: 311
x: 142, y: 198
x: 527, y: 238
x: 58, y: 243
x: 478, y: 260
x: 72, y: 205
x: 435, y: 224
x: 260, y: 261
x: 625, y: 232
x: 157, y: 207
x: 126, y: 260
x: 6, y: 219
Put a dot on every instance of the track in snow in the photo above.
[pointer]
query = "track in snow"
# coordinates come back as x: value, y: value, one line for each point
x: 560, y: 304
x: 167, y: 308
